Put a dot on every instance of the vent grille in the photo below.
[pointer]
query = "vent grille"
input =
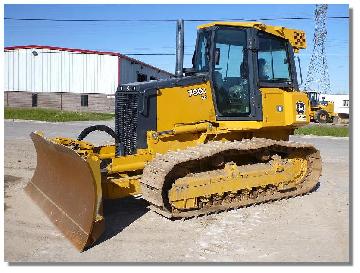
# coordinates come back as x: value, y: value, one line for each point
x: 126, y: 119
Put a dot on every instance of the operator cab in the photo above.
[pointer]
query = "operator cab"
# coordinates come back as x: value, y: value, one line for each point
x: 240, y: 61
x: 314, y: 98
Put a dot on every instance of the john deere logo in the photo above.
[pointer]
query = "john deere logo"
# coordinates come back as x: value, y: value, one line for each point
x: 300, y: 107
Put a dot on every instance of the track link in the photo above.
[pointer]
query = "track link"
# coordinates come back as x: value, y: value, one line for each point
x: 155, y: 181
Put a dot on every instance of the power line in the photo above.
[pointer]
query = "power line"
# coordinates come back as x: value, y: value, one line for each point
x: 129, y: 54
x: 166, y: 20
x: 152, y: 54
x: 87, y: 20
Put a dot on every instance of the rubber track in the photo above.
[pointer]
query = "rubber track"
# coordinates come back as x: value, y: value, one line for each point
x: 155, y: 172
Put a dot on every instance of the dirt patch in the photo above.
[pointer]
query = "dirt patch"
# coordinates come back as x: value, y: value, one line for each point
x: 6, y: 206
x: 310, y: 228
x: 10, y: 180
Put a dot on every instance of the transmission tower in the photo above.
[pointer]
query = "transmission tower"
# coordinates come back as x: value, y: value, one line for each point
x: 317, y: 78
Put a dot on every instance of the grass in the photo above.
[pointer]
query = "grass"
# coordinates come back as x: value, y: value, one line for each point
x: 323, y: 130
x: 53, y: 115
x: 61, y: 116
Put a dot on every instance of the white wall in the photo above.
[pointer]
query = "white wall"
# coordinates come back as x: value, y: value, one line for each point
x: 60, y: 71
x: 129, y: 71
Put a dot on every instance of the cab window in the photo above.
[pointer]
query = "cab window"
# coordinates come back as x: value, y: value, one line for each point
x: 273, y: 62
x: 230, y: 75
x: 202, y: 56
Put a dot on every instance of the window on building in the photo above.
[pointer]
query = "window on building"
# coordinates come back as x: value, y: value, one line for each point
x: 85, y: 100
x: 141, y: 77
x: 152, y: 78
x: 34, y: 100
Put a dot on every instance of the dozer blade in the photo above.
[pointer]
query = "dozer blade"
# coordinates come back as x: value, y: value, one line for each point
x: 67, y: 188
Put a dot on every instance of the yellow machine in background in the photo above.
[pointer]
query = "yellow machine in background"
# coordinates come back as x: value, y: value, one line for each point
x: 321, y: 111
x: 213, y: 139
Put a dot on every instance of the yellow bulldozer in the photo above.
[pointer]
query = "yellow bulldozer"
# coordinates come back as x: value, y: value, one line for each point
x: 321, y: 111
x: 213, y: 138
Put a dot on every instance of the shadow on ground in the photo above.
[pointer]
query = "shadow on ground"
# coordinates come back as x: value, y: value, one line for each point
x: 9, y: 180
x: 119, y: 214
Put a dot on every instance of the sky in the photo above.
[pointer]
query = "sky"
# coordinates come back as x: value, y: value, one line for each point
x: 159, y: 37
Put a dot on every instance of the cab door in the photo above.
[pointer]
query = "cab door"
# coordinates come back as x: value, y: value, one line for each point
x: 236, y: 94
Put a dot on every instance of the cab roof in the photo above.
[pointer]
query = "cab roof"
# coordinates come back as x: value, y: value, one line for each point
x: 296, y: 37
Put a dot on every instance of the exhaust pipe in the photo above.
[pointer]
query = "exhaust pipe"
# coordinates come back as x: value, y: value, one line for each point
x: 179, y: 48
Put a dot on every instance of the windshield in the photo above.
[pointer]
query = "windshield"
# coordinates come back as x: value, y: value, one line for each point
x: 230, y: 76
x: 273, y: 63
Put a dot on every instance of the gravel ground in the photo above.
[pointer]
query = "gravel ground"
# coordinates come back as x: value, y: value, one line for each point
x: 311, y: 228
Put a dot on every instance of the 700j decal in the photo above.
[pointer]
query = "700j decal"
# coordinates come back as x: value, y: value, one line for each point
x: 198, y: 92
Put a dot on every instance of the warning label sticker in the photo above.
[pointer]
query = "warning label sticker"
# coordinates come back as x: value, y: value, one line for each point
x: 300, y: 117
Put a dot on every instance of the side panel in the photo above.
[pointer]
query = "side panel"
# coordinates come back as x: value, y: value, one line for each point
x: 184, y: 105
x: 329, y: 108
x: 273, y: 107
x: 279, y: 108
x: 292, y: 115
